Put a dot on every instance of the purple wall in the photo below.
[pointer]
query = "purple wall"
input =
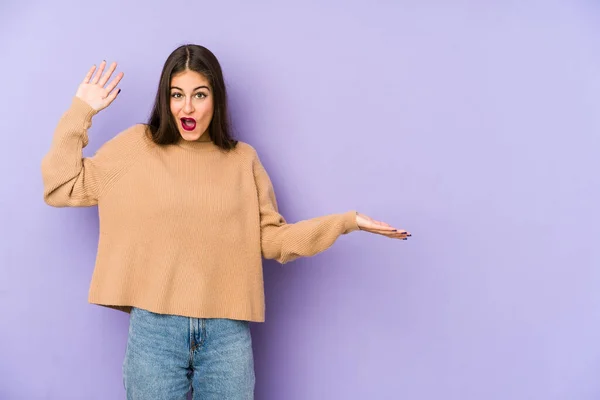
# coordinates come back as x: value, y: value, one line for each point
x: 475, y: 125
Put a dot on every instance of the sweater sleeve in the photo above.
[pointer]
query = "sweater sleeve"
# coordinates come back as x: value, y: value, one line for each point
x: 70, y: 179
x: 285, y: 242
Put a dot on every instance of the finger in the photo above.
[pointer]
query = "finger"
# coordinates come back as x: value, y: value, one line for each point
x: 401, y: 236
x: 99, y: 73
x: 111, y: 97
x: 399, y: 233
x: 396, y: 236
x: 371, y: 225
x: 381, y: 231
x: 89, y: 74
x: 390, y: 235
x: 115, y: 82
x: 107, y: 74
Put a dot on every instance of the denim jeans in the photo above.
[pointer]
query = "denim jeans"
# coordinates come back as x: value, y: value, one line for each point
x: 168, y: 354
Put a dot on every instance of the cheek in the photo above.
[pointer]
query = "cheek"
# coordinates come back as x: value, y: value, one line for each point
x: 206, y: 110
x: 174, y: 108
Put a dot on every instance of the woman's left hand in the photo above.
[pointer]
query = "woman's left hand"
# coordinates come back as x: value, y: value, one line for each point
x: 368, y: 224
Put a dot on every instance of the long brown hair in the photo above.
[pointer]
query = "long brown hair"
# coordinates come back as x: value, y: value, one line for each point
x: 199, y: 59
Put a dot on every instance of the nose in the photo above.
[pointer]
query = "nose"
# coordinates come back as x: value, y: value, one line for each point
x: 188, y: 107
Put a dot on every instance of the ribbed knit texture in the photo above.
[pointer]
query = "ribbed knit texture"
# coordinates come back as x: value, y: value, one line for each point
x: 184, y: 227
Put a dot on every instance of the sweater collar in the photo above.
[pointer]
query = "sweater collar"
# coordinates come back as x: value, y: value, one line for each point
x: 203, y: 143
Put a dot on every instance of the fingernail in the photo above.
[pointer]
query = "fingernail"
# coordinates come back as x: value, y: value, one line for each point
x: 395, y: 230
x: 119, y: 91
x: 405, y: 239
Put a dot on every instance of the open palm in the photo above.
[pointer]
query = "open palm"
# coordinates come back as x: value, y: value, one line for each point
x: 368, y: 224
x: 93, y: 90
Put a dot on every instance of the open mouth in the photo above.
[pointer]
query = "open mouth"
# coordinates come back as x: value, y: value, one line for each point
x: 189, y: 124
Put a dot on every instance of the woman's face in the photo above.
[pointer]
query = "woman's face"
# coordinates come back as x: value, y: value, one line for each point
x: 191, y: 103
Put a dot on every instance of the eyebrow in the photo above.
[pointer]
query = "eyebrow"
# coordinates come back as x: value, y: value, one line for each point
x: 199, y: 87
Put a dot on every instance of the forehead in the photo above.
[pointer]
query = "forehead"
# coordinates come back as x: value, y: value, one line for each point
x: 189, y: 80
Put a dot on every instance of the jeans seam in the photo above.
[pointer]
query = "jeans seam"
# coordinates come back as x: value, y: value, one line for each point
x: 192, y: 344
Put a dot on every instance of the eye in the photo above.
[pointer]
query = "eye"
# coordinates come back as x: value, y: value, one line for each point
x: 175, y: 95
x: 200, y: 95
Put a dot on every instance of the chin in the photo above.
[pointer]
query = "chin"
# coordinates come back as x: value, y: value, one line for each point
x: 190, y: 136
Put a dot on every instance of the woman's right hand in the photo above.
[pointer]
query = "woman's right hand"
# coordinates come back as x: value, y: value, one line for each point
x: 92, y: 90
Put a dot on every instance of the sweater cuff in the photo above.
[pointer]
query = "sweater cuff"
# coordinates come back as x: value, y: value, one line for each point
x: 350, y: 224
x: 82, y: 111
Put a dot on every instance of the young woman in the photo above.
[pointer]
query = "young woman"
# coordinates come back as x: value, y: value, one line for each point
x: 186, y: 215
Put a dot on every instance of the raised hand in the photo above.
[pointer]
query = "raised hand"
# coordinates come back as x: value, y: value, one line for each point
x: 368, y: 224
x: 92, y: 90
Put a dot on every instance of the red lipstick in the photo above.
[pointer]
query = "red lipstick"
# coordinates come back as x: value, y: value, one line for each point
x: 189, y: 124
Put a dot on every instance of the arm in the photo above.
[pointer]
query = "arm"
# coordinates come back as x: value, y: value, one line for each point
x: 286, y: 242
x: 71, y: 180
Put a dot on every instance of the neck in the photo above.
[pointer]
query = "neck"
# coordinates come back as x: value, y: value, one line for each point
x: 203, y: 142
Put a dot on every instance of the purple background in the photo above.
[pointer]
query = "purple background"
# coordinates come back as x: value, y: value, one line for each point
x: 473, y: 124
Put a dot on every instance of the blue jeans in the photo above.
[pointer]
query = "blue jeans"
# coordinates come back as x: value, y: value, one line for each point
x: 169, y: 354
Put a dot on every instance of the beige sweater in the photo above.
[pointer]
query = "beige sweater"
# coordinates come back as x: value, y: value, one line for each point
x: 183, y: 228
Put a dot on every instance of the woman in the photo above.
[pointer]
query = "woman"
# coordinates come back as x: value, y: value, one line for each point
x: 186, y: 215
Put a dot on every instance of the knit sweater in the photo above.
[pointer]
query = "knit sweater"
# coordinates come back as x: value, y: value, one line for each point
x: 183, y: 228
